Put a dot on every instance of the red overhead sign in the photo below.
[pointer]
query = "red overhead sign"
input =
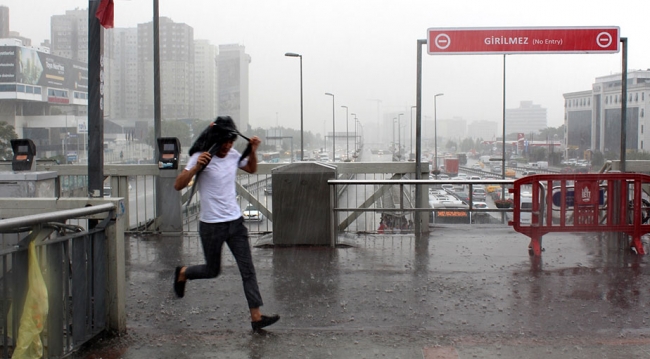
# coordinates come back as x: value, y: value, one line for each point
x: 455, y: 41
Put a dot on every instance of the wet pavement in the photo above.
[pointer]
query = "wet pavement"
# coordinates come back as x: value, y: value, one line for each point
x: 462, y: 292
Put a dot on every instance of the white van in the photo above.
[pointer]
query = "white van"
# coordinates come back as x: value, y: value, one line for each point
x: 525, y: 208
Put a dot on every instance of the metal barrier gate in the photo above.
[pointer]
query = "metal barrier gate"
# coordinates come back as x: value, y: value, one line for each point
x: 603, y: 202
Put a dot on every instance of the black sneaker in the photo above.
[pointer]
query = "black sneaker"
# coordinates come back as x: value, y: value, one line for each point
x: 264, y: 322
x: 179, y: 287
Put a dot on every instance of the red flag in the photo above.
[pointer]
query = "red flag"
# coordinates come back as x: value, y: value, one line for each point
x: 105, y: 13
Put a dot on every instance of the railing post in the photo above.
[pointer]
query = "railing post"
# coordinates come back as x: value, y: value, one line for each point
x: 116, y: 297
x: 333, y: 216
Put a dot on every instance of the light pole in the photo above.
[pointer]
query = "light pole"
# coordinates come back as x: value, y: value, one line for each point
x: 411, y: 146
x: 325, y: 135
x: 399, y: 137
x: 355, y: 132
x: 302, y: 150
x: 435, y: 130
x: 357, y: 124
x: 347, y: 147
x: 394, y: 122
x: 65, y: 141
x: 333, y: 128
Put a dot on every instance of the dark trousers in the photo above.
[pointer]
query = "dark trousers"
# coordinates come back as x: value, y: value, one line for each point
x: 235, y: 235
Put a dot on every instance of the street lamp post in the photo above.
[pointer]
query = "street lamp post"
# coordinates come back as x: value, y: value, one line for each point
x: 347, y: 147
x: 333, y: 128
x: 357, y: 124
x: 302, y: 150
x: 411, y: 146
x: 394, y: 122
x: 355, y: 132
x: 435, y: 130
x: 399, y: 137
x: 65, y: 141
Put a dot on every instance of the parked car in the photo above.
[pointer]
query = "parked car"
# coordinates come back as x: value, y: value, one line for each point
x: 479, y: 194
x: 252, y: 214
x: 268, y: 189
x: 480, y: 217
x: 463, y: 196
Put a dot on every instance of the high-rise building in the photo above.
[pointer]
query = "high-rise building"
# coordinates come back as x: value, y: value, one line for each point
x: 593, y: 117
x: 487, y: 130
x: 121, y: 78
x: 69, y: 34
x: 4, y: 22
x: 232, y: 77
x: 452, y: 130
x: 528, y: 118
x: 205, y: 80
x: 25, y: 41
x: 176, y: 42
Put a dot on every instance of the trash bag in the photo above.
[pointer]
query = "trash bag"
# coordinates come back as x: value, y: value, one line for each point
x: 32, y: 322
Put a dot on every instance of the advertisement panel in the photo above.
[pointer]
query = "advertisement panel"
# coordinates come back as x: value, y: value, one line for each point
x: 8, y: 64
x: 520, y: 142
x: 28, y: 66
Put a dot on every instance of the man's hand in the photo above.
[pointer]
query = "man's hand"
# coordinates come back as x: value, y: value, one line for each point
x: 184, y: 178
x: 203, y: 160
x: 251, y: 166
x: 255, y: 142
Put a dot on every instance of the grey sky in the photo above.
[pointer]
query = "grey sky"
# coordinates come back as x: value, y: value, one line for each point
x: 366, y: 50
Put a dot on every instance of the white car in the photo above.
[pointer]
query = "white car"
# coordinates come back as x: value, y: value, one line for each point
x: 252, y: 214
x: 478, y: 216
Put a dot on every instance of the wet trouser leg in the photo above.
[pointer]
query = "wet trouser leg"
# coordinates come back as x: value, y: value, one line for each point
x: 241, y: 250
x: 235, y: 234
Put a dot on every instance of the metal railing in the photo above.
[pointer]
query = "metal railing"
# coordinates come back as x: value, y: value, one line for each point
x: 400, y: 204
x: 78, y: 267
x: 136, y: 185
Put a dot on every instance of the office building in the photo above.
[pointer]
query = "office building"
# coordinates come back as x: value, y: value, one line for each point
x: 176, y: 69
x: 528, y: 118
x: 454, y: 129
x: 486, y: 130
x: 232, y: 74
x: 121, y: 73
x: 205, y: 80
x: 69, y: 34
x: 593, y: 117
x: 4, y: 22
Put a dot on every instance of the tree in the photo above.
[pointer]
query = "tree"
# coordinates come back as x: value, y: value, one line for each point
x: 7, y: 133
x: 597, y: 159
x: 538, y: 154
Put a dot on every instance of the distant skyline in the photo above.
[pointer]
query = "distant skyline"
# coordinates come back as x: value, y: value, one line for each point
x: 364, y: 53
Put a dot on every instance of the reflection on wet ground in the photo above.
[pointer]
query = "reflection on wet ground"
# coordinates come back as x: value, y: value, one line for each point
x: 460, y: 287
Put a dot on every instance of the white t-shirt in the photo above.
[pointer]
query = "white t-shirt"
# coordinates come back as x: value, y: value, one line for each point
x: 216, y: 186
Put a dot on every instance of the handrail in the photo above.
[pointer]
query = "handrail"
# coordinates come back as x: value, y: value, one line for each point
x: 24, y: 221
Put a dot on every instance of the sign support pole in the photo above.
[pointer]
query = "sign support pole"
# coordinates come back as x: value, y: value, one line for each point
x: 623, y: 103
x: 422, y: 218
